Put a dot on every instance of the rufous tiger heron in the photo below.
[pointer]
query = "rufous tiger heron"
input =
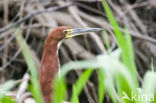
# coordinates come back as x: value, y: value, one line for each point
x: 50, y: 62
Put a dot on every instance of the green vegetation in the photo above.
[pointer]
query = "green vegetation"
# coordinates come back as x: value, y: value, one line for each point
x: 3, y: 90
x: 34, y: 86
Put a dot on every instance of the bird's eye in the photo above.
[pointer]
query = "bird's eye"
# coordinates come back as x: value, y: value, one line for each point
x: 65, y: 32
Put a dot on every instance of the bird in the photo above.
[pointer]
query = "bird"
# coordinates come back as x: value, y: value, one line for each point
x: 50, y: 61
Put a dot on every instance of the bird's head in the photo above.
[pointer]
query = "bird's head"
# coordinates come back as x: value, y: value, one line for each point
x: 65, y: 32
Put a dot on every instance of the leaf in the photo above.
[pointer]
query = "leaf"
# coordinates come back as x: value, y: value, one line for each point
x: 59, y: 92
x: 3, y: 90
x: 81, y: 82
x: 74, y: 96
x: 101, y: 85
x: 124, y: 43
x: 31, y: 65
x: 7, y: 99
x: 7, y: 86
x: 106, y: 39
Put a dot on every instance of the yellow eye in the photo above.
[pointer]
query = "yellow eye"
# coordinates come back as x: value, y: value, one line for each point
x: 66, y: 31
x: 68, y: 34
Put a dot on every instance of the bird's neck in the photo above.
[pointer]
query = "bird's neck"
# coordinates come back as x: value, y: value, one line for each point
x: 49, y: 68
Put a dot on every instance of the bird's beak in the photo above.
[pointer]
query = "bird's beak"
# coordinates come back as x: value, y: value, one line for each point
x: 69, y: 33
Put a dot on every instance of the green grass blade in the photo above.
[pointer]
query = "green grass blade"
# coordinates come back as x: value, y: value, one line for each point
x: 31, y: 65
x: 106, y: 39
x: 113, y: 22
x: 81, y: 82
x: 124, y: 86
x: 109, y: 85
x: 125, y: 43
x: 152, y: 65
x: 74, y: 98
x: 59, y: 91
x: 149, y: 84
x: 7, y: 99
x: 6, y: 87
x: 130, y: 52
x: 101, y: 86
x: 122, y: 42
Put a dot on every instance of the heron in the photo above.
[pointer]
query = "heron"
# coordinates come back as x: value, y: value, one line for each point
x: 50, y: 61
